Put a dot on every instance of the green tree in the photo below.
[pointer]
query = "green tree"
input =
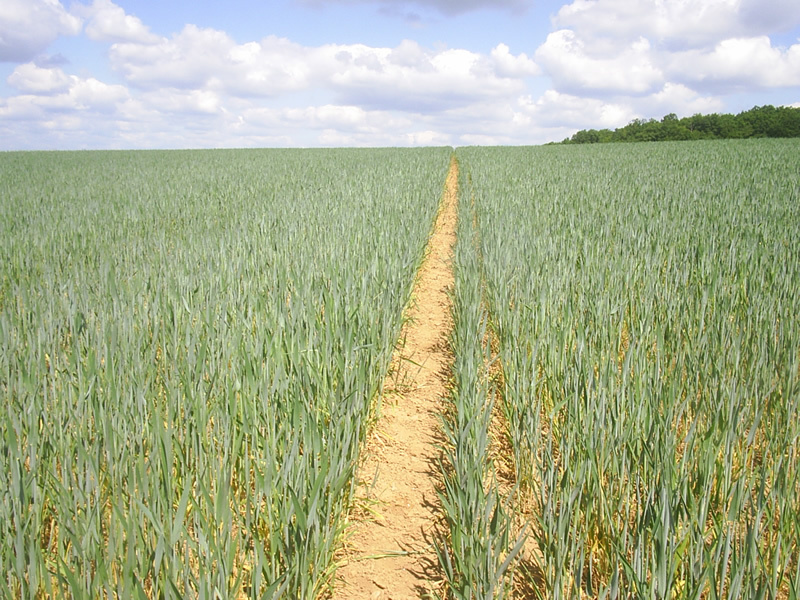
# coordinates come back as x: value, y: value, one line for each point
x: 759, y: 121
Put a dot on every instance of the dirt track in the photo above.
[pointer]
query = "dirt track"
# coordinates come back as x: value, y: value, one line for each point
x: 390, y: 554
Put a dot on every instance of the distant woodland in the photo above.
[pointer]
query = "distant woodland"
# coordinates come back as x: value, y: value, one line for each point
x: 760, y: 121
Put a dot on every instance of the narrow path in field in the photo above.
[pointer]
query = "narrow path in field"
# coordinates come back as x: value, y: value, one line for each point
x: 390, y: 554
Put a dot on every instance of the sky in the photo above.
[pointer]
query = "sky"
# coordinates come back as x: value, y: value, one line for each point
x: 314, y: 73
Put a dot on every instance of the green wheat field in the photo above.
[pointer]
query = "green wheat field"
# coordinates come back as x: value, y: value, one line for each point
x: 192, y: 345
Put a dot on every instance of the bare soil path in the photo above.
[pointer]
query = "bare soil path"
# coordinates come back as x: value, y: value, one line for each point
x: 389, y: 554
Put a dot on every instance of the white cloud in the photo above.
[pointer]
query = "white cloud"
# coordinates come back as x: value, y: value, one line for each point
x: 407, y: 54
x: 405, y: 77
x: 428, y: 138
x: 565, y: 110
x: 91, y: 94
x: 339, y: 122
x: 335, y: 138
x: 27, y: 27
x: 566, y: 113
x: 338, y: 117
x: 199, y: 58
x: 412, y: 78
x: 108, y: 22
x: 575, y: 68
x: 30, y: 78
x: 738, y: 64
x: 329, y: 125
x: 183, y: 102
x: 50, y: 90
x: 611, y: 48
x: 677, y: 23
x: 679, y: 99
x: 608, y: 62
x: 508, y: 65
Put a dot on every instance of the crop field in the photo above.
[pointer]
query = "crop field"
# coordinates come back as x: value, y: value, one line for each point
x: 193, y: 346
x: 645, y: 300
x: 191, y: 342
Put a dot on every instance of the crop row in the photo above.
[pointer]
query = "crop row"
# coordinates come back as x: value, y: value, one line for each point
x: 645, y: 301
x: 190, y: 344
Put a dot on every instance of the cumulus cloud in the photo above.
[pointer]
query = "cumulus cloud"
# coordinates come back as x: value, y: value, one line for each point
x: 107, y: 22
x: 200, y: 82
x: 567, y: 113
x: 52, y: 88
x: 49, y: 90
x: 407, y: 76
x: 607, y: 62
x: 447, y: 7
x: 566, y: 110
x: 738, y: 64
x: 331, y: 125
x: 199, y: 58
x: 336, y: 138
x: 679, y: 99
x: 508, y: 65
x: 190, y: 103
x: 410, y: 77
x: 32, y: 79
x: 350, y: 118
x: 91, y: 94
x: 609, y: 48
x: 677, y: 23
x: 27, y: 27
x: 574, y: 68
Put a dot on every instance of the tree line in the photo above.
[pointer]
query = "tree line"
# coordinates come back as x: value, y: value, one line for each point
x: 759, y: 121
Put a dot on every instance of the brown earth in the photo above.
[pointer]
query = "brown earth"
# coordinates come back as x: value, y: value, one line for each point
x: 389, y: 553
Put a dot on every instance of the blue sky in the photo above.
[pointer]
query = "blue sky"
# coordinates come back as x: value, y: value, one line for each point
x: 242, y: 73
